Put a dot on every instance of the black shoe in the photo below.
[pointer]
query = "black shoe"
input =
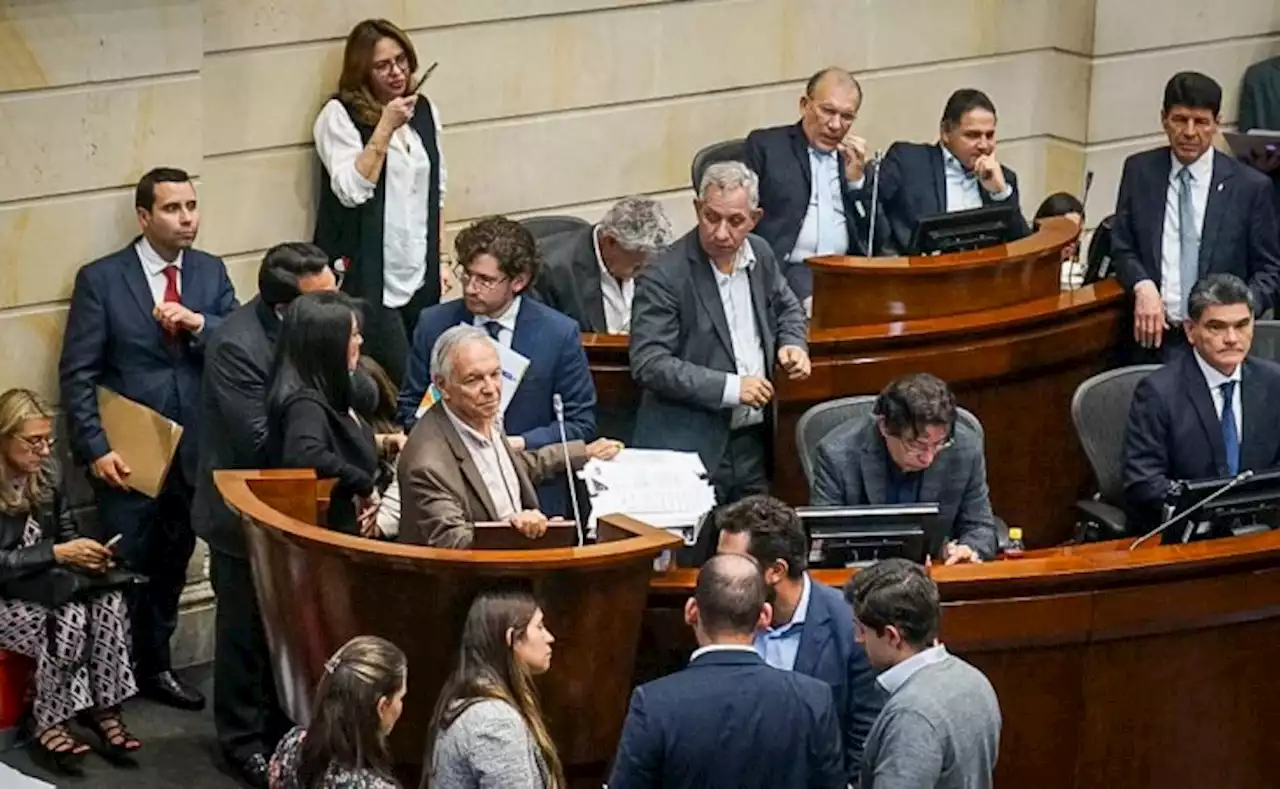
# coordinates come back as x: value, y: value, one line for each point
x: 166, y: 688
x: 251, y: 771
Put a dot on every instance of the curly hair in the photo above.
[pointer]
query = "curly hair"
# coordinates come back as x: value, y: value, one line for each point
x: 508, y: 241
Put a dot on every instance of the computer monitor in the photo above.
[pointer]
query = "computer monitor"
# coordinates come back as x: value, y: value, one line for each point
x: 862, y: 535
x: 1252, y: 505
x: 959, y: 231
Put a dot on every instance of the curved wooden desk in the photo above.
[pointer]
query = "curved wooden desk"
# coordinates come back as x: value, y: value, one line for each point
x: 1155, y: 668
x: 319, y: 588
x: 992, y: 323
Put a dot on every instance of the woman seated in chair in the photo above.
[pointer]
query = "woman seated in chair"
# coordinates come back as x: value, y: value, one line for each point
x: 81, y: 646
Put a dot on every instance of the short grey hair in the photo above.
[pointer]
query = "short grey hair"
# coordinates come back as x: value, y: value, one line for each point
x: 453, y: 338
x: 727, y: 176
x: 1218, y: 290
x: 638, y: 224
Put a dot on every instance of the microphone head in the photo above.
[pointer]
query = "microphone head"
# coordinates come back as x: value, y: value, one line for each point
x: 558, y: 404
x: 877, y: 156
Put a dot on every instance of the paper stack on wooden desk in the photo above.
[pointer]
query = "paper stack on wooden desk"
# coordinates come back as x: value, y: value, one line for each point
x: 665, y: 489
x: 144, y: 439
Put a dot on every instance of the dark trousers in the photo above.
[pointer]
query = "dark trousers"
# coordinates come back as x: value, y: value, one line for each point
x: 157, y: 541
x: 1173, y: 344
x: 388, y: 331
x: 742, y: 472
x: 246, y: 709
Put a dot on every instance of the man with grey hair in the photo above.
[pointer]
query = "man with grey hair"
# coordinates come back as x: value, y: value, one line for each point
x: 589, y: 274
x: 1188, y: 419
x: 458, y: 468
x: 711, y: 316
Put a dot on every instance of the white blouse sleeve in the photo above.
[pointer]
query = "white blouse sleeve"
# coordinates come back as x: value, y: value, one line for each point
x: 338, y: 144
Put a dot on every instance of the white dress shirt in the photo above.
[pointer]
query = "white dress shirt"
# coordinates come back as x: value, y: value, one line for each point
x: 1215, y: 380
x: 748, y: 351
x: 823, y: 232
x: 964, y: 189
x: 407, y: 171
x: 700, y: 651
x: 493, y: 459
x: 1172, y: 288
x: 616, y: 296
x: 153, y: 266
x: 897, y: 676
x: 506, y: 319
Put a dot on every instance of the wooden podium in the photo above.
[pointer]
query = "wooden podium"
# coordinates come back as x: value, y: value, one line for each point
x: 992, y: 323
x: 319, y: 588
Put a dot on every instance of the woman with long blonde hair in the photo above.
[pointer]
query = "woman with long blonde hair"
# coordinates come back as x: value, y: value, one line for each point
x: 487, y: 729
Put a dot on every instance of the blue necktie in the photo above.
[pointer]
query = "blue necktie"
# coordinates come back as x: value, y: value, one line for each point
x: 822, y: 183
x: 495, y: 330
x: 1230, y: 437
x: 1188, y: 238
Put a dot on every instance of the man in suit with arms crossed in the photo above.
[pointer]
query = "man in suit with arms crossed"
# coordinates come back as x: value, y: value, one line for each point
x: 711, y: 316
x: 1208, y: 413
x: 1184, y: 212
x: 729, y: 720
x: 138, y: 325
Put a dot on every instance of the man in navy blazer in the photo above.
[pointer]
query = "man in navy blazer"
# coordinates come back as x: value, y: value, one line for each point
x: 1229, y: 227
x: 729, y: 720
x: 1208, y: 413
x: 800, y: 221
x: 499, y: 260
x: 138, y: 325
x: 957, y: 173
x: 811, y: 625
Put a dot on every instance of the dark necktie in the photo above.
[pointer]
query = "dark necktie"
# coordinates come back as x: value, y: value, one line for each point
x: 171, y: 295
x: 495, y: 330
x: 1230, y: 436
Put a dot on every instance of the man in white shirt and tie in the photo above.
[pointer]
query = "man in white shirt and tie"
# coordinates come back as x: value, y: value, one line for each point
x: 1184, y: 212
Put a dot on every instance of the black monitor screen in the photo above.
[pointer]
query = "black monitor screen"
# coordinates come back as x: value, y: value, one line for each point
x: 1248, y: 506
x: 862, y: 535
x: 959, y: 231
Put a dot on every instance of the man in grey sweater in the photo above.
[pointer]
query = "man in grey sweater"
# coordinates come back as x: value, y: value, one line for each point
x: 940, y: 727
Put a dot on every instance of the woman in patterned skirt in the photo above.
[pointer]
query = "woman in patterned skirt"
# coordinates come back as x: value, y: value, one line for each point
x: 81, y: 649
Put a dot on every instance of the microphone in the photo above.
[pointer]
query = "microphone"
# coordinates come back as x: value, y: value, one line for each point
x: 557, y: 402
x: 1233, y: 482
x: 875, y: 198
x: 1088, y: 184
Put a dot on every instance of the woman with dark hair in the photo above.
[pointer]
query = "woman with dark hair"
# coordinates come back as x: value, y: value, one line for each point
x: 1067, y: 205
x: 360, y: 698
x: 375, y: 398
x: 311, y: 419
x: 381, y: 202
x: 487, y: 729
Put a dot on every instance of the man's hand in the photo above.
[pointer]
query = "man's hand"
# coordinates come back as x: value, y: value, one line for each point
x: 530, y: 523
x: 111, y: 469
x: 516, y: 443
x: 795, y: 361
x: 955, y: 553
x: 174, y: 317
x: 854, y: 150
x: 1148, y: 315
x: 990, y: 174
x: 83, y: 552
x: 755, y: 392
x: 604, y: 449
x: 392, y: 443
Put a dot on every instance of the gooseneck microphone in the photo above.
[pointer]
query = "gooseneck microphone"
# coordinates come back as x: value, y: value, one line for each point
x: 557, y: 402
x: 1233, y: 482
x: 875, y: 199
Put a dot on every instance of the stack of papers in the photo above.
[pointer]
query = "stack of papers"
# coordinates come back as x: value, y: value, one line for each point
x: 665, y: 489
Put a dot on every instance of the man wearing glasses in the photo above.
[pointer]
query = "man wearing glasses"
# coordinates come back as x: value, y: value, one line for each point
x: 498, y: 260
x: 913, y: 450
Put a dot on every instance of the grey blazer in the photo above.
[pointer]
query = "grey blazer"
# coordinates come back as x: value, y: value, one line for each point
x: 570, y: 278
x: 681, y: 349
x: 852, y: 468
x: 488, y: 747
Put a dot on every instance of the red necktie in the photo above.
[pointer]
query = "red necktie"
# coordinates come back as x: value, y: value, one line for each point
x: 171, y: 295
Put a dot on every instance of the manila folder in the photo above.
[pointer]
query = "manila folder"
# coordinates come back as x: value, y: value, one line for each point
x: 144, y: 439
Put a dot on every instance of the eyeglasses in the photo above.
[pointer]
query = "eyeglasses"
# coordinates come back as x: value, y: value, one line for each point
x: 483, y: 283
x: 383, y: 67
x: 922, y: 448
x: 37, y: 443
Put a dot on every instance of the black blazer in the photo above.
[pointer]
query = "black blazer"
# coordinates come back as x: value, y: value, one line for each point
x: 56, y: 526
x: 780, y: 157
x: 569, y: 281
x: 913, y: 185
x: 1174, y: 432
x: 1239, y: 235
x: 112, y: 340
x: 306, y: 432
x: 729, y: 721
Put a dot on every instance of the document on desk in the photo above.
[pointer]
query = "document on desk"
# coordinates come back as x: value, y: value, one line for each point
x: 145, y: 440
x: 514, y: 366
x: 666, y: 489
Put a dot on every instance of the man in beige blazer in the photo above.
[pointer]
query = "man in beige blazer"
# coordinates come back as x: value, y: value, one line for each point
x: 457, y: 467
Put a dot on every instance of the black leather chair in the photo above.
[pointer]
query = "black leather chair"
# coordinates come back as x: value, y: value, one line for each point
x: 727, y: 151
x: 1266, y: 340
x: 545, y: 226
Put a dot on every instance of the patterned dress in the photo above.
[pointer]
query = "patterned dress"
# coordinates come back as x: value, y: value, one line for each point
x: 85, y: 665
x: 283, y: 773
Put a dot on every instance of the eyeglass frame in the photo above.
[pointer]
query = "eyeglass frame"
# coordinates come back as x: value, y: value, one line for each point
x: 401, y: 61
x: 483, y: 281
x: 38, y: 443
x: 914, y: 447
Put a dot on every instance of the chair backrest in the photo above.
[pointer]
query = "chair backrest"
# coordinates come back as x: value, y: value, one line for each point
x: 1098, y: 260
x: 545, y: 226
x: 1266, y: 341
x: 1100, y: 412
x: 727, y: 151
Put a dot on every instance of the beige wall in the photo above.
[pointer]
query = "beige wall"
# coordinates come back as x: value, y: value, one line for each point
x: 549, y: 105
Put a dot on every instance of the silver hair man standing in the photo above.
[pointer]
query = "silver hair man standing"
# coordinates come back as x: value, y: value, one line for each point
x: 589, y: 273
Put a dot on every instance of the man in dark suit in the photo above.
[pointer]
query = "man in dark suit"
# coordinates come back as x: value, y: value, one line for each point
x: 913, y: 449
x: 1185, y: 212
x: 1208, y: 413
x: 711, y: 316
x: 810, y: 173
x: 589, y: 274
x: 138, y: 325
x: 957, y: 173
x: 233, y: 428
x: 811, y: 626
x: 1260, y: 109
x: 499, y: 260
x: 729, y: 720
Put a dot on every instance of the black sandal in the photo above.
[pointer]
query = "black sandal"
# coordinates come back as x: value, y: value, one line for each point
x: 118, y: 743
x: 57, y: 751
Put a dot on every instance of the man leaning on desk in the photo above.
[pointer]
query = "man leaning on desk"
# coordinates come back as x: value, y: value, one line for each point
x: 458, y: 467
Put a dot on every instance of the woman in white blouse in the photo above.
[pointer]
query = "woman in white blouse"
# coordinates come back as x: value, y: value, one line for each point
x: 381, y: 202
